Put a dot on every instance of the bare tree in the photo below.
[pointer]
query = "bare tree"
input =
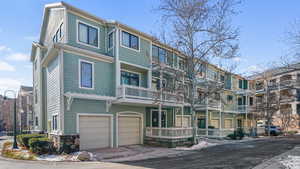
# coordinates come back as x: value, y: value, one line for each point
x: 201, y: 30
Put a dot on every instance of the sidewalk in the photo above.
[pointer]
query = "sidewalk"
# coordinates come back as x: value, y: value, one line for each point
x: 287, y: 160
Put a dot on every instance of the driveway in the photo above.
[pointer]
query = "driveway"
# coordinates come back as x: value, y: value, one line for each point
x: 244, y: 155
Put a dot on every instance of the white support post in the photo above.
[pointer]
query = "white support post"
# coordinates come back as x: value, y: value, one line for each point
x: 160, y: 103
x: 118, y: 67
x: 206, y: 119
x: 182, y: 109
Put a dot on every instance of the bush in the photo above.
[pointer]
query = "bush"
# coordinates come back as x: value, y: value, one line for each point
x: 8, y: 152
x: 23, y: 139
x: 237, y: 134
x: 41, y: 145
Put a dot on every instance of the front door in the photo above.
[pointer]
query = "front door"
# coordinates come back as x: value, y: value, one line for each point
x: 155, y: 118
x: 202, y: 123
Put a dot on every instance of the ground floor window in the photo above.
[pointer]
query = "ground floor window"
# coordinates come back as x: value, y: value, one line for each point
x: 54, y: 122
x: 202, y: 123
x: 155, y: 118
x: 228, y: 123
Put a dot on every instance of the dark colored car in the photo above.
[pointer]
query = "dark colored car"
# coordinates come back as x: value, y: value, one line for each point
x: 274, y: 130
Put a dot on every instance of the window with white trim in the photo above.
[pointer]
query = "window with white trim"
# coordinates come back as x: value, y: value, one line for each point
x: 128, y: 78
x: 87, y: 34
x: 54, y: 122
x: 110, y: 40
x: 86, y: 74
x: 130, y: 41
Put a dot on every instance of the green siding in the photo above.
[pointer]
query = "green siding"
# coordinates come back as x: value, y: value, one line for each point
x: 94, y: 107
x: 104, y: 83
x: 141, y: 57
x: 72, y: 36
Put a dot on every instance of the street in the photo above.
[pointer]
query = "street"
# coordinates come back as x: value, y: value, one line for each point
x: 230, y: 156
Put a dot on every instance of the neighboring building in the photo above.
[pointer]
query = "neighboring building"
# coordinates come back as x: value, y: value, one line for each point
x: 6, y: 114
x: 24, y: 108
x: 95, y: 81
x: 283, y: 86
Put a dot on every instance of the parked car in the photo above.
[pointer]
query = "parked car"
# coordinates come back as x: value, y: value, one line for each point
x: 274, y: 130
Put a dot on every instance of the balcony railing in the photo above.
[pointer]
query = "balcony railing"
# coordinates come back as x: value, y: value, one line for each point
x: 170, y: 133
x: 214, y: 132
x: 210, y: 103
x: 133, y: 92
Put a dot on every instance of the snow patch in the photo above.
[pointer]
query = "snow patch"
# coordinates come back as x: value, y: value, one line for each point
x: 51, y: 158
x: 291, y: 162
x: 200, y: 145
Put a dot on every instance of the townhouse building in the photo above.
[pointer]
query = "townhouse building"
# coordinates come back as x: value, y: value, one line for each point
x: 24, y: 108
x: 279, y: 88
x: 99, y: 83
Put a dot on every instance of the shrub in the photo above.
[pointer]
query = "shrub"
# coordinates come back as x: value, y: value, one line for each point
x: 8, y: 152
x: 41, y: 145
x: 23, y: 139
x: 237, y: 134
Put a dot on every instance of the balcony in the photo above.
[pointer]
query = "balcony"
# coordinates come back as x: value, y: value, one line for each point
x: 214, y: 132
x: 140, y: 93
x: 169, y: 133
x: 209, y: 104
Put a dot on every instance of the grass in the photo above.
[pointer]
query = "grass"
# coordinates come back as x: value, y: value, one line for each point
x: 8, y: 152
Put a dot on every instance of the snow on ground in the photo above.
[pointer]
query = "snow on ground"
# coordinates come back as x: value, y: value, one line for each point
x: 291, y: 162
x: 51, y: 158
x: 200, y: 145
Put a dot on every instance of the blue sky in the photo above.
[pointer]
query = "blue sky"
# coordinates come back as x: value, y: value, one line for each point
x: 262, y: 24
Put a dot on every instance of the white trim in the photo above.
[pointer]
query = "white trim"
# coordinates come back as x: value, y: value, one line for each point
x: 89, y: 96
x: 57, y: 123
x: 66, y: 40
x: 62, y: 104
x: 113, y: 40
x: 92, y: 114
x: 87, y: 53
x: 135, y: 65
x: 121, y: 40
x: 165, y: 111
x: 130, y: 114
x: 133, y: 72
x: 79, y: 74
x: 77, y: 31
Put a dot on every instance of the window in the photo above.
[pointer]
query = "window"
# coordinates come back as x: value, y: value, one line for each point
x: 229, y: 98
x: 251, y: 101
x: 87, y: 34
x: 54, y: 122
x: 240, y: 83
x: 181, y: 64
x: 86, y: 74
x: 211, y: 74
x: 130, y: 41
x: 128, y: 78
x: 36, y: 121
x: 110, y: 40
x: 222, y: 78
x: 161, y: 55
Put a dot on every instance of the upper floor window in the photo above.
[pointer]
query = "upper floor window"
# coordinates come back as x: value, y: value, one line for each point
x: 229, y: 99
x: 181, y: 64
x: 86, y: 74
x: 110, y: 40
x: 130, y: 41
x: 211, y: 74
x: 129, y: 78
x: 58, y: 34
x: 88, y: 34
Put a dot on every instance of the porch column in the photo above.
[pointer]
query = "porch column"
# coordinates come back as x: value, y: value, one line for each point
x: 160, y: 101
x: 220, y: 117
x: 246, y: 110
x: 182, y: 109
x: 206, y: 119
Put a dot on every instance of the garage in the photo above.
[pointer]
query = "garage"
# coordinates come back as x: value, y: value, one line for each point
x: 95, y: 131
x: 186, y: 121
x: 129, y: 130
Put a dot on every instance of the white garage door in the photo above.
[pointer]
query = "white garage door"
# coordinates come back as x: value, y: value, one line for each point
x: 186, y: 122
x: 129, y: 130
x: 95, y: 132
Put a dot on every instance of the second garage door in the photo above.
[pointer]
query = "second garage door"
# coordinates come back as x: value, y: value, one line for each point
x: 95, y: 132
x: 129, y: 130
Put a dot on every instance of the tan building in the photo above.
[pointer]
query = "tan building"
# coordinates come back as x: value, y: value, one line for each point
x: 24, y: 108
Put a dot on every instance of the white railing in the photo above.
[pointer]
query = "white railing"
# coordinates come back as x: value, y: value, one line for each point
x: 125, y: 91
x: 214, y: 132
x: 211, y: 103
x: 171, y: 133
